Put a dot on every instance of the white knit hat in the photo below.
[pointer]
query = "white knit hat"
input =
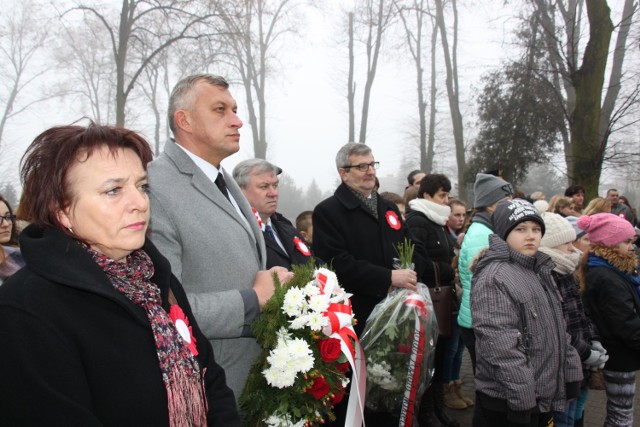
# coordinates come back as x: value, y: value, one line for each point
x: 558, y: 230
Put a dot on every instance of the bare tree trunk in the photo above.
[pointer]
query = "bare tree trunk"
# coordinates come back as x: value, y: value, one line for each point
x: 616, y: 71
x: 8, y: 108
x: 124, y: 32
x: 133, y: 30
x: 587, y: 149
x: 21, y: 39
x: 431, y: 140
x: 452, y: 90
x: 414, y: 44
x: 351, y: 89
x: 251, y: 28
x: 373, y: 51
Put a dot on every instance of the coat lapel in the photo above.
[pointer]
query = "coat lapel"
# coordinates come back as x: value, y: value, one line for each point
x: 204, y: 185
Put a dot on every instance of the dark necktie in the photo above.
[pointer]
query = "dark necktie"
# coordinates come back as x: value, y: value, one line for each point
x: 269, y: 231
x: 222, y: 186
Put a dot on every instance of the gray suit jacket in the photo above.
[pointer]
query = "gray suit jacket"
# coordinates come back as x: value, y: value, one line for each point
x: 213, y: 252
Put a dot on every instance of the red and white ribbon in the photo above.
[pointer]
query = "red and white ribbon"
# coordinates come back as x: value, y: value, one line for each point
x: 257, y: 215
x: 419, y: 304
x: 301, y: 246
x: 340, y: 326
x: 393, y: 220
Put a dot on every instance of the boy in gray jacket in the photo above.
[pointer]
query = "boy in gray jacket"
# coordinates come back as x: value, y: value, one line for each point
x: 526, y: 366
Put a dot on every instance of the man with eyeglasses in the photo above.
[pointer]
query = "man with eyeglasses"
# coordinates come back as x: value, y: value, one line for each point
x: 357, y: 232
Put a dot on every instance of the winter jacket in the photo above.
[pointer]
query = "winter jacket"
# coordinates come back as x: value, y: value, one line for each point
x: 476, y: 239
x: 579, y: 325
x: 76, y: 352
x: 360, y: 247
x: 613, y: 304
x: 524, y: 354
x: 295, y: 254
x: 437, y: 243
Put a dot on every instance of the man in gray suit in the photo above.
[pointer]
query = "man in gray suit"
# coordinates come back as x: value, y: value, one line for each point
x: 204, y: 225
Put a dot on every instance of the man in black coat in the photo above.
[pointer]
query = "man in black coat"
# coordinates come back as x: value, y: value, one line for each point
x: 258, y: 180
x: 357, y: 233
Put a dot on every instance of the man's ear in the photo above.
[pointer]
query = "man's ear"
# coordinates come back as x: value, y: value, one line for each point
x: 182, y: 120
x: 303, y: 233
x: 343, y: 174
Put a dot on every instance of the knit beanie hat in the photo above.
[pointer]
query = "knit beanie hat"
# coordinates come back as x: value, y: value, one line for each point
x: 510, y: 213
x: 573, y: 220
x: 606, y: 228
x: 489, y: 189
x: 558, y: 230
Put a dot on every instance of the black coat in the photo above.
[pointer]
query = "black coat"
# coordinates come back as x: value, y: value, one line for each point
x: 437, y: 242
x: 613, y: 305
x: 287, y: 234
x: 360, y: 248
x: 76, y: 352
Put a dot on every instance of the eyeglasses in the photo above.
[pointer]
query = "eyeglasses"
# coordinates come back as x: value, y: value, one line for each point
x: 363, y: 167
x: 10, y: 219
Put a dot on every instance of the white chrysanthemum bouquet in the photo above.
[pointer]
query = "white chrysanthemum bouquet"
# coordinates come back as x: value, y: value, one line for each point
x: 307, y: 335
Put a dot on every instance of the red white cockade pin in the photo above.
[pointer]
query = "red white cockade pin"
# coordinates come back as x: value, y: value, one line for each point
x: 182, y: 325
x: 301, y: 246
x: 257, y: 215
x: 393, y: 220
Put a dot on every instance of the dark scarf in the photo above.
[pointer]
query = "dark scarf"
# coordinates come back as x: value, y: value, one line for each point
x: 180, y: 370
x: 598, y: 261
x: 369, y: 203
x: 483, y: 218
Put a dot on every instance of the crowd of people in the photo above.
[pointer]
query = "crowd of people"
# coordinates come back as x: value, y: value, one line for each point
x: 128, y: 298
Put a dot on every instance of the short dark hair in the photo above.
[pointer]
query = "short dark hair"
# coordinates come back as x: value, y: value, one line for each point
x: 45, y: 166
x: 431, y: 183
x: 303, y: 221
x: 392, y: 197
x: 574, y: 189
x: 412, y: 174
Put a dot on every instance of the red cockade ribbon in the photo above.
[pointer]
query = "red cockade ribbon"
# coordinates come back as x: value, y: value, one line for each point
x: 301, y: 246
x: 393, y: 220
x: 340, y: 316
x: 419, y: 304
x: 182, y: 325
x: 257, y: 215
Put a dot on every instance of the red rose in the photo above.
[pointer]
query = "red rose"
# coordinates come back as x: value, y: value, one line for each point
x: 329, y: 349
x: 404, y: 348
x: 343, y: 367
x: 337, y: 398
x: 319, y: 389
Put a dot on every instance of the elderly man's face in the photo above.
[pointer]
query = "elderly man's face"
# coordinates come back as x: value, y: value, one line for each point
x: 262, y: 193
x: 360, y: 181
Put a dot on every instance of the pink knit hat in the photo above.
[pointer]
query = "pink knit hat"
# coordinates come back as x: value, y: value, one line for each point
x: 606, y: 228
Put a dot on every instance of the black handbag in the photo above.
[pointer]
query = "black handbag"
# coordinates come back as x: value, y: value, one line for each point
x: 441, y: 297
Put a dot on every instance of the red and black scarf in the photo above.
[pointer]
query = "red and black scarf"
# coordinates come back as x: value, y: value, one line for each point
x: 180, y: 369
